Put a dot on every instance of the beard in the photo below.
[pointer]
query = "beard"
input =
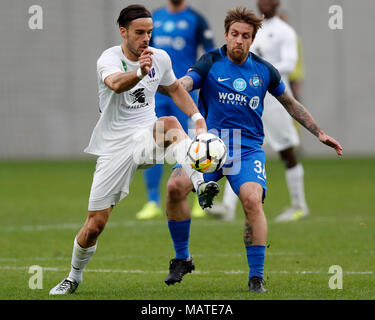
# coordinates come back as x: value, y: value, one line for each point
x: 238, y: 57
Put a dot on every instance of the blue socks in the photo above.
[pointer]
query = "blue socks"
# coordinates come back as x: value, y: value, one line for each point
x: 255, y: 259
x: 152, y: 178
x: 180, y: 231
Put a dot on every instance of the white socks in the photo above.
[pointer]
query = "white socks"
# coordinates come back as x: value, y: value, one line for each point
x: 180, y: 154
x: 294, y: 179
x: 80, y: 258
x: 230, y: 198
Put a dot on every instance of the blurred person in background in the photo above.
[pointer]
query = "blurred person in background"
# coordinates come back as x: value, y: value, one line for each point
x: 277, y: 43
x: 180, y: 31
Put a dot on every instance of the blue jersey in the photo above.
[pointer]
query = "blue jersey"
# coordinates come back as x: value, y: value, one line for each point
x: 180, y: 34
x: 231, y: 96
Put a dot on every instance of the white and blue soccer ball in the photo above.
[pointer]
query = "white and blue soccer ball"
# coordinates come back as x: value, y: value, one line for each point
x: 207, y: 153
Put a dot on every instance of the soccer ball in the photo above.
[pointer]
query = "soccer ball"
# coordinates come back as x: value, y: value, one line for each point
x: 207, y: 153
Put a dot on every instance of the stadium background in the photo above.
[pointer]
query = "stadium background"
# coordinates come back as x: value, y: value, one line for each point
x: 48, y: 77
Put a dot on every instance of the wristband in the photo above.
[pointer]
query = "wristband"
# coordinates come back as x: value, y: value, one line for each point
x: 140, y: 75
x: 196, y: 116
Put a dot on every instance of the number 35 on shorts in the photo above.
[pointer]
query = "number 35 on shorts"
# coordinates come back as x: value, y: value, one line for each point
x: 260, y: 170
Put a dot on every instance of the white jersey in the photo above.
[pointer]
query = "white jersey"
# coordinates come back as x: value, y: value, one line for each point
x: 276, y: 42
x: 130, y: 109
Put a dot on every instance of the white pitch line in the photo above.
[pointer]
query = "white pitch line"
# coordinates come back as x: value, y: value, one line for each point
x: 14, y: 268
x: 151, y: 223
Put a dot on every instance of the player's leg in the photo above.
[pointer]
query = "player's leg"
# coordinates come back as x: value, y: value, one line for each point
x: 295, y: 181
x: 84, y: 247
x: 112, y: 177
x: 178, y: 213
x: 179, y: 219
x: 247, y: 178
x: 168, y: 133
x: 255, y: 233
x: 153, y: 176
x: 282, y: 136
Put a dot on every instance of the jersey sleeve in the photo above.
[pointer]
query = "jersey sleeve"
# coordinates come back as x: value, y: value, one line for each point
x: 204, y: 64
x: 205, y: 34
x: 108, y: 64
x: 168, y: 77
x: 276, y: 85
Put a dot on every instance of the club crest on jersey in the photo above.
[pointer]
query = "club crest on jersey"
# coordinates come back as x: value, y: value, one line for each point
x: 254, y: 102
x: 256, y: 81
x: 239, y: 84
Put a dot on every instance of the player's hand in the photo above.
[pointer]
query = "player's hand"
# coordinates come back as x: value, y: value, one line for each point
x: 145, y: 61
x: 329, y: 141
x: 200, y: 127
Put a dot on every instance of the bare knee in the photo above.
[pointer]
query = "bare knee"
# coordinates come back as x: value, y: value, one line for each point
x: 178, y: 186
x: 252, y: 206
x: 95, y: 225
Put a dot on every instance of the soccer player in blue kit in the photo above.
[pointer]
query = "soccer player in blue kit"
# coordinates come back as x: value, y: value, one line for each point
x: 180, y: 31
x: 233, y: 85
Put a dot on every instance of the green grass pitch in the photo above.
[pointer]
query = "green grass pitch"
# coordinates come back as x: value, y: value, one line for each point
x: 44, y: 204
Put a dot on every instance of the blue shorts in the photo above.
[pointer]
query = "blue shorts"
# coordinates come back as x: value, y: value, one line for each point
x: 250, y: 168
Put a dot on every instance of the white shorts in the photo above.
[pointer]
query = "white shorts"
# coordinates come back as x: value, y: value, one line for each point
x: 279, y: 130
x: 114, y: 173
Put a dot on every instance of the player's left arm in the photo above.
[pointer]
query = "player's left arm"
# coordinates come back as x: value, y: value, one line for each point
x: 184, y: 101
x: 299, y: 112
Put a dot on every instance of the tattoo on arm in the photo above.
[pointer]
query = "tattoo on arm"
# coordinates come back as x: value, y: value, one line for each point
x: 248, y: 234
x: 177, y: 172
x: 299, y: 112
x: 187, y: 82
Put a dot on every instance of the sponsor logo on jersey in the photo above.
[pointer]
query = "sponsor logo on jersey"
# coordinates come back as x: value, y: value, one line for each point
x: 182, y: 25
x: 239, y: 84
x: 177, y: 43
x: 254, y: 102
x: 223, y: 79
x: 256, y: 81
x: 232, y: 98
x: 138, y: 95
x: 152, y: 72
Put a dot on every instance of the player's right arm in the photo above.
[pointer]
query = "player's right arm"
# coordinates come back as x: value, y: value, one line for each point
x: 123, y: 81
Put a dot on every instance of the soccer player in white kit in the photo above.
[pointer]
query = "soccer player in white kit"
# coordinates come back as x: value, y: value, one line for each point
x: 128, y: 136
x: 276, y: 42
